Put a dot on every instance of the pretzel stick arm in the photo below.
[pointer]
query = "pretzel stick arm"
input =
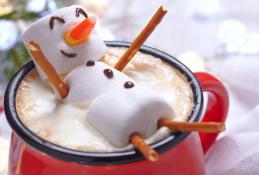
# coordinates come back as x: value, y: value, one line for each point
x: 139, y: 143
x: 48, y: 69
x: 207, y: 127
x: 140, y: 39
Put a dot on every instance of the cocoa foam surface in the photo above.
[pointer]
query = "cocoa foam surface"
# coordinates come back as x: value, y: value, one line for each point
x: 66, y: 124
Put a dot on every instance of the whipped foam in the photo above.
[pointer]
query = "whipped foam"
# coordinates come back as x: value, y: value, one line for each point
x: 65, y: 124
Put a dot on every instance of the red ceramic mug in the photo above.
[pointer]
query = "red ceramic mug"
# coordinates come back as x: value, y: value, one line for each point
x: 180, y: 153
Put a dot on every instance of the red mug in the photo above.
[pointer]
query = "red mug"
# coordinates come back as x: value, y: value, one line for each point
x: 180, y: 153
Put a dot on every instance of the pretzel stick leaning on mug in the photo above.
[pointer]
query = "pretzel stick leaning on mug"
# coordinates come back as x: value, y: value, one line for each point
x: 48, y: 69
x: 139, y: 143
x: 208, y: 127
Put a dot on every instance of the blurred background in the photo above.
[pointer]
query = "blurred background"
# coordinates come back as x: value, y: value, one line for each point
x: 217, y: 36
x: 196, y: 31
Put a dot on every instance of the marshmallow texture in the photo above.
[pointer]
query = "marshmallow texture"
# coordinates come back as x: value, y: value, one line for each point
x: 52, y: 43
x: 90, y: 80
x: 121, y: 111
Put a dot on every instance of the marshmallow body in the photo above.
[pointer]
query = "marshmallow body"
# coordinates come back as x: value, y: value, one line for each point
x: 52, y: 43
x: 86, y: 82
x: 120, y: 112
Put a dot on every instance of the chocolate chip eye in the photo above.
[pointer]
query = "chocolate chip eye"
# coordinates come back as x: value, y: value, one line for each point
x: 90, y: 63
x: 80, y: 11
x: 128, y: 85
x: 108, y: 73
x: 53, y: 18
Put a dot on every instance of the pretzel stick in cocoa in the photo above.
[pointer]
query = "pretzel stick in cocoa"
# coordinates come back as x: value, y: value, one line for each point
x: 139, y: 143
x: 140, y: 39
x: 207, y: 127
x: 48, y: 69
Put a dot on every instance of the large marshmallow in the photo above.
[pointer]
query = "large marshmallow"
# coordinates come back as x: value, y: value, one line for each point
x: 51, y: 41
x: 87, y: 82
x: 120, y: 112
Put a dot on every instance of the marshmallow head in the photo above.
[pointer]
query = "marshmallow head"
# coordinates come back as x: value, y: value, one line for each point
x: 128, y: 109
x: 90, y: 80
x: 50, y: 31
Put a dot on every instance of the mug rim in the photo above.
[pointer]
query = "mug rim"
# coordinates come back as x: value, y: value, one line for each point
x: 102, y: 158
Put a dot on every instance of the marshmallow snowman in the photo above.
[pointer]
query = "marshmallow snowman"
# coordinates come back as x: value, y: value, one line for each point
x: 65, y: 50
x: 90, y: 80
x: 128, y: 109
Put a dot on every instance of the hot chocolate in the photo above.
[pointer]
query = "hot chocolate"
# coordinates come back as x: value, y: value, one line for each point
x: 64, y: 123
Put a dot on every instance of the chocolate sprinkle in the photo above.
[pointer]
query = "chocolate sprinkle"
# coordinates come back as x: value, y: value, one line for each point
x: 128, y: 84
x: 90, y: 63
x: 80, y: 11
x: 51, y: 21
x: 108, y: 73
x: 70, y: 55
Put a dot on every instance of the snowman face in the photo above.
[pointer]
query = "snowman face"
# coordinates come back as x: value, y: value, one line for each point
x: 49, y: 33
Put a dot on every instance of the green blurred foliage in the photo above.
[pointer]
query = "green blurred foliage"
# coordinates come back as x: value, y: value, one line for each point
x: 13, y: 59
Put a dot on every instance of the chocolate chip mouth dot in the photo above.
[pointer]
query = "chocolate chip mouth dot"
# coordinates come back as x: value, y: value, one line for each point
x: 108, y: 73
x: 128, y: 84
x: 90, y: 63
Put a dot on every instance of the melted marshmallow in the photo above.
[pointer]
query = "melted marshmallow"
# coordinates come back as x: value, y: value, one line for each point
x: 125, y: 110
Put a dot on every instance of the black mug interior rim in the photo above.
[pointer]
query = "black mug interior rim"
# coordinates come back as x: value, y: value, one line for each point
x: 120, y: 157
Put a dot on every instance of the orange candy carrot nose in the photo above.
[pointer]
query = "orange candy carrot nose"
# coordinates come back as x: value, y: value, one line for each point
x: 80, y: 33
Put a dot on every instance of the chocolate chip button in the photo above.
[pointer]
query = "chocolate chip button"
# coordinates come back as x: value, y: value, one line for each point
x: 108, y: 73
x: 90, y: 63
x: 128, y: 84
